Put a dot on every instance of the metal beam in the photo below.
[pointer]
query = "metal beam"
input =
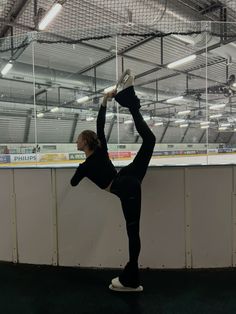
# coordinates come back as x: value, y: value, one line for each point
x: 75, y: 121
x: 185, y: 132
x: 113, y: 55
x: 27, y: 125
x: 203, y: 133
x: 14, y: 14
x: 164, y: 132
x: 110, y: 128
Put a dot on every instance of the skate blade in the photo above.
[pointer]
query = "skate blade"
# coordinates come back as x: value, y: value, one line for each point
x: 126, y: 289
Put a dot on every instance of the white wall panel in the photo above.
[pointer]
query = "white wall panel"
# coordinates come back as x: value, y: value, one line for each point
x: 91, y: 228
x: 211, y: 211
x: 6, y: 227
x: 162, y: 220
x: 34, y: 215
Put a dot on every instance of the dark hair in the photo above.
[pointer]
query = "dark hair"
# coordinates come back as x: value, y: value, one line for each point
x: 91, y: 139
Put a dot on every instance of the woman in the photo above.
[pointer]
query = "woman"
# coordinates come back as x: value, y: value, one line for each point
x: 126, y: 184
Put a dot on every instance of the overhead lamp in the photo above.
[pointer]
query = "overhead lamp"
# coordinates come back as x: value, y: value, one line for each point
x: 204, y: 122
x: 205, y: 126
x: 174, y: 99
x: 179, y: 121
x: 181, y: 61
x: 183, y: 125
x: 185, y: 39
x: 109, y: 89
x: 55, y: 109
x: 40, y: 115
x: 225, y: 124
x: 214, y: 116
x: 217, y: 107
x: 128, y: 121
x: 146, y: 118
x: 89, y: 119
x: 222, y: 128
x: 109, y: 114
x: 7, y: 68
x: 50, y: 15
x: 158, y: 123
x: 82, y: 99
x: 183, y: 113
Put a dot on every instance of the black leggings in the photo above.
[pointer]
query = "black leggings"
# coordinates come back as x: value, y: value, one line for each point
x: 127, y: 184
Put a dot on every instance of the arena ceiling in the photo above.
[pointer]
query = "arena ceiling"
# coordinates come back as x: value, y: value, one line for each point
x: 88, y: 45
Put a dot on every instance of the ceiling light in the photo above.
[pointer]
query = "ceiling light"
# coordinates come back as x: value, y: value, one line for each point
x: 109, y: 114
x: 55, y: 109
x: 82, y: 99
x: 40, y: 115
x: 225, y: 124
x: 50, y: 15
x: 205, y: 126
x: 109, y: 89
x: 204, y: 122
x: 179, y: 121
x: 89, y: 119
x: 234, y: 85
x: 158, y: 123
x: 7, y: 68
x: 222, y: 128
x: 181, y: 61
x: 216, y: 116
x: 128, y: 121
x: 146, y: 118
x: 183, y: 113
x: 183, y: 125
x: 217, y: 107
x: 174, y: 99
x: 185, y: 39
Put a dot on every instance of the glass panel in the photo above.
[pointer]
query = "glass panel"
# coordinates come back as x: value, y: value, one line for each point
x: 221, y: 93
x: 16, y: 101
x: 170, y: 102
x: 70, y: 80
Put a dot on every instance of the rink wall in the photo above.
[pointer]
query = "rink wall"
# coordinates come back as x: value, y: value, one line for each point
x: 188, y: 219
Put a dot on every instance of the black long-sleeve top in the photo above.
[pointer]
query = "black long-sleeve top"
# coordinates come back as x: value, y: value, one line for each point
x: 97, y: 167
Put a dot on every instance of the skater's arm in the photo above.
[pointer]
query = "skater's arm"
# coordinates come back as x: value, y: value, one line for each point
x: 78, y: 176
x: 101, y: 120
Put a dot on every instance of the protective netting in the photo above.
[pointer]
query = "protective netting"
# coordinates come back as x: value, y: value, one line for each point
x: 96, y: 19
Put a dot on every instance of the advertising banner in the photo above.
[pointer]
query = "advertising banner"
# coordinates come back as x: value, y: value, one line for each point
x: 24, y: 158
x: 5, y: 159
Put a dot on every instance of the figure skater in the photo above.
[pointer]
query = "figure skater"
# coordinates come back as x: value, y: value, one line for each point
x: 126, y: 184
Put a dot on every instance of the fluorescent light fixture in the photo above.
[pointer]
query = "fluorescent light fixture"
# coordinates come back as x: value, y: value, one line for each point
x: 181, y: 61
x: 185, y: 39
x: 179, y: 121
x: 82, y: 99
x: 217, y: 107
x: 205, y: 123
x: 222, y: 128
x: 225, y: 124
x: 109, y: 89
x: 50, y: 15
x: 174, y: 99
x: 183, y: 125
x: 158, y: 123
x: 183, y: 113
x: 128, y: 121
x: 89, y: 119
x: 109, y: 114
x: 146, y: 118
x: 205, y: 126
x: 55, y: 109
x: 216, y: 116
x: 7, y: 68
x: 40, y: 115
